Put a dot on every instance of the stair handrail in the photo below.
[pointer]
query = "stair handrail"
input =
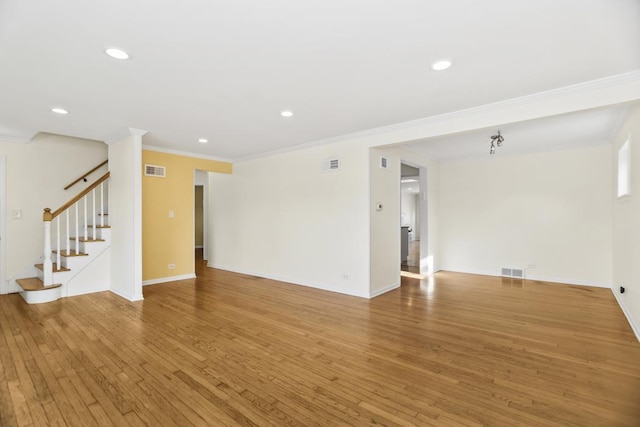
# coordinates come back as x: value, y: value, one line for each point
x: 47, y: 211
x: 48, y: 216
x: 84, y: 177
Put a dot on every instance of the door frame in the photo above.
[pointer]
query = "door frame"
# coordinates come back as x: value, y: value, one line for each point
x: 4, y: 288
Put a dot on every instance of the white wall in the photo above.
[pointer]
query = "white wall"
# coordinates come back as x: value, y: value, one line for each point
x: 626, y: 225
x: 282, y: 217
x: 550, y: 209
x: 37, y: 173
x: 125, y: 214
x: 385, y: 225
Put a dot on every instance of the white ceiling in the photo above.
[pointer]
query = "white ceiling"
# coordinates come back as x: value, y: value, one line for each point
x: 584, y: 128
x: 224, y: 70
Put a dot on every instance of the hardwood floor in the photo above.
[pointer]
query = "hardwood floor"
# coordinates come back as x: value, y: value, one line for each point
x: 228, y: 349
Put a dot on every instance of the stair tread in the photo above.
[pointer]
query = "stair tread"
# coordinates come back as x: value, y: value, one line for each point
x: 55, y: 268
x: 99, y: 226
x: 34, y: 284
x: 83, y: 240
x: 70, y: 253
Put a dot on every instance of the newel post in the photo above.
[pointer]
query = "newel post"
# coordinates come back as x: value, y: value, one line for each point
x: 47, y: 217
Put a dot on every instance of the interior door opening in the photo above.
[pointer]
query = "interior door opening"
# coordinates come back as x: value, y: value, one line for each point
x: 410, y: 218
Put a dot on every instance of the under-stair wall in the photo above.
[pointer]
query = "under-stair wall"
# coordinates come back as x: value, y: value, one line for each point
x: 36, y: 174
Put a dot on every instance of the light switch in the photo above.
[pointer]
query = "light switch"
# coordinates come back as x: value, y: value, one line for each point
x: 16, y: 213
x: 172, y: 214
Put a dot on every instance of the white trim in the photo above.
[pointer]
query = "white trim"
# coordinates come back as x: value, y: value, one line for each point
x: 168, y: 279
x: 16, y: 139
x: 39, y: 297
x: 631, y: 77
x: 185, y: 153
x: 527, y: 276
x: 4, y: 288
x: 384, y: 290
x: 137, y: 211
x: 320, y: 286
x: 125, y: 296
x: 634, y: 327
x: 199, y: 247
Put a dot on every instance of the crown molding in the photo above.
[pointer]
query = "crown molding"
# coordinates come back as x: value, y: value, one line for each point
x: 124, y: 133
x: 15, y: 139
x: 185, y: 153
x: 548, y: 96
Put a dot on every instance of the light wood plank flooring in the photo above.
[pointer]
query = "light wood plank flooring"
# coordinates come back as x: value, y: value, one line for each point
x: 228, y: 349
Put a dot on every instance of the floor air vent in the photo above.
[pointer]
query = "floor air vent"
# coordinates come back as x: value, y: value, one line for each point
x: 517, y: 273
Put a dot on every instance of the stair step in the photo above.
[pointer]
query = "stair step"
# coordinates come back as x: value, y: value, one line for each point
x: 70, y: 253
x: 55, y: 268
x: 34, y: 284
x: 103, y: 214
x: 83, y: 240
x: 99, y: 226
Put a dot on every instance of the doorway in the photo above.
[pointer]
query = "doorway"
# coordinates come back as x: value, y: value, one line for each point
x: 201, y: 181
x: 410, y: 218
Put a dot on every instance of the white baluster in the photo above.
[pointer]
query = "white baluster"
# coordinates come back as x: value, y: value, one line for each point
x: 108, y: 197
x: 47, y: 265
x: 77, y: 232
x: 94, y: 216
x: 85, y: 217
x: 101, y: 206
x: 68, y: 236
x: 58, y: 242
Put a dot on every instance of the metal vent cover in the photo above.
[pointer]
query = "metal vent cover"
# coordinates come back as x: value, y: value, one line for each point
x: 331, y: 165
x: 517, y: 273
x: 154, y: 170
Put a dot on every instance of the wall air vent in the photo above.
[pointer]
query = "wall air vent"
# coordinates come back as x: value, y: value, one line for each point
x: 331, y: 165
x: 384, y: 162
x: 516, y: 273
x: 153, y: 170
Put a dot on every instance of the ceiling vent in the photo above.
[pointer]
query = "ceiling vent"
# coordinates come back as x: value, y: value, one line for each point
x: 331, y: 165
x: 516, y: 273
x: 384, y: 162
x: 153, y: 170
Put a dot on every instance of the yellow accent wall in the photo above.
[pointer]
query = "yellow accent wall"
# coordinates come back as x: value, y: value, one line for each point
x: 168, y: 240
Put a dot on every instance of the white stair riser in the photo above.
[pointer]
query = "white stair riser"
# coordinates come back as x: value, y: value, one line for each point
x: 39, y: 297
x: 72, y: 262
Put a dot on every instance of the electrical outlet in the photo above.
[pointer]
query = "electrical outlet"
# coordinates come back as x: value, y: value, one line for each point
x: 171, y: 266
x: 345, y: 276
x: 532, y: 265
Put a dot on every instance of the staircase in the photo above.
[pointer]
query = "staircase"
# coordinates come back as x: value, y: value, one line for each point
x: 75, y: 235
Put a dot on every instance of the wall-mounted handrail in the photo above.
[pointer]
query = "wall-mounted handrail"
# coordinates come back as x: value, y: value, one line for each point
x: 48, y: 215
x: 63, y: 232
x: 84, y: 177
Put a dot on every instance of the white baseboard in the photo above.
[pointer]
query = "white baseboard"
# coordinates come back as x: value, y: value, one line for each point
x: 632, y: 323
x: 125, y: 296
x: 384, y: 290
x: 320, y: 286
x: 560, y: 280
x: 168, y: 279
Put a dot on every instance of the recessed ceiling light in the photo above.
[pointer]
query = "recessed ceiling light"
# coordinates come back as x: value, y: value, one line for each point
x: 286, y: 114
x: 203, y: 140
x: 441, y: 64
x: 59, y: 110
x: 116, y: 53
